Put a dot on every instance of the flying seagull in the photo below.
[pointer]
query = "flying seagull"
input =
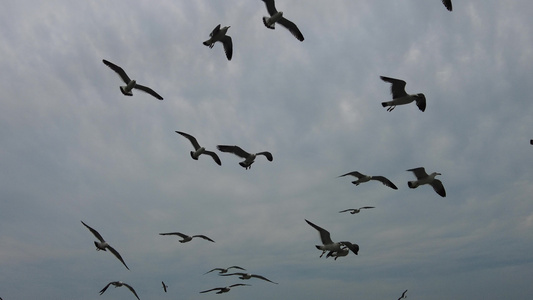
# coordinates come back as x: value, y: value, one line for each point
x: 248, y: 157
x: 365, y: 178
x: 356, y: 210
x: 223, y: 271
x: 103, y: 245
x: 219, y: 35
x: 328, y: 244
x: 224, y: 289
x: 199, y: 150
x: 277, y: 17
x: 423, y: 178
x: 246, y: 276
x: 164, y: 286
x: 400, y: 97
x: 119, y: 284
x: 448, y: 4
x: 130, y: 84
x: 403, y: 294
x: 187, y: 238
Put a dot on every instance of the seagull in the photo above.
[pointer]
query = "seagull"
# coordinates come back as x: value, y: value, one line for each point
x: 248, y: 157
x: 222, y: 271
x: 448, y: 4
x: 400, y: 97
x: 403, y: 294
x: 365, y: 178
x: 187, y: 238
x: 225, y: 289
x: 130, y: 84
x: 423, y: 178
x: 277, y: 17
x: 328, y: 244
x: 164, y: 286
x: 119, y: 284
x: 199, y: 150
x: 246, y: 276
x: 219, y: 35
x: 356, y: 210
x: 103, y: 245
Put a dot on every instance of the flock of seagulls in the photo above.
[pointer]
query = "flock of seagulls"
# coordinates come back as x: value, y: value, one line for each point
x: 333, y: 249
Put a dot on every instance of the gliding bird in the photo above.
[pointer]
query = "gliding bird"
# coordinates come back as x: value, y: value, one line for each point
x: 448, y: 4
x: 403, y: 295
x: 400, y: 97
x: 219, y: 35
x: 119, y: 284
x: 103, y: 245
x: 224, y: 289
x: 198, y: 150
x: 164, y: 286
x: 328, y: 244
x: 222, y: 271
x: 187, y: 238
x: 356, y: 210
x: 246, y: 276
x: 365, y: 178
x: 248, y: 157
x: 424, y: 178
x: 130, y: 84
x: 277, y: 17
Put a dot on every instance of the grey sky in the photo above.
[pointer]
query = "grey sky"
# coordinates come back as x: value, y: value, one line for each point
x: 74, y: 148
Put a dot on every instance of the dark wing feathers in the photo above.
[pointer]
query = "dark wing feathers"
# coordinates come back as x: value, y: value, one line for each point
x: 204, y: 237
x: 191, y: 139
x: 214, y: 156
x: 324, y: 234
x: 354, y: 173
x: 397, y: 86
x: 419, y: 172
x: 267, y: 154
x: 233, y: 149
x: 448, y: 4
x: 385, y: 181
x: 175, y: 233
x: 117, y: 255
x: 95, y: 233
x: 438, y: 187
x: 228, y: 46
x: 118, y: 70
x: 148, y: 90
x: 271, y: 8
x: 131, y: 289
x: 292, y: 28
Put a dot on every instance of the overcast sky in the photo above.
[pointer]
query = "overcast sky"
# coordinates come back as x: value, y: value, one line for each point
x: 74, y: 148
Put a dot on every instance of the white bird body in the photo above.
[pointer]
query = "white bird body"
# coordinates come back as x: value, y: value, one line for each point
x: 249, y: 158
x: 328, y: 244
x: 271, y: 22
x: 336, y: 254
x: 424, y: 178
x: 219, y: 35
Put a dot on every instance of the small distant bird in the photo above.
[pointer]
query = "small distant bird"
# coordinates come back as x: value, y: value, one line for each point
x: 249, y: 158
x: 361, y: 178
x: 223, y: 271
x: 246, y: 276
x: 448, y: 4
x: 424, y: 178
x: 199, y: 150
x: 130, y: 84
x: 219, y: 35
x: 403, y: 294
x: 277, y: 17
x: 103, y: 245
x: 164, y: 286
x: 187, y: 238
x: 119, y: 284
x: 328, y: 244
x: 531, y: 142
x: 400, y: 97
x: 224, y: 289
x: 356, y: 210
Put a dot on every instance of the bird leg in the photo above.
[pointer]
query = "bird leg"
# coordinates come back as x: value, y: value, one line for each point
x: 391, y: 108
x: 323, y: 251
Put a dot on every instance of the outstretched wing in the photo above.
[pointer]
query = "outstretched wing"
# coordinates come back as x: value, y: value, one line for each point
x: 419, y: 172
x: 353, y: 247
x: 215, y: 31
x: 215, y: 269
x: 214, y: 289
x: 421, y: 102
x: 228, y: 46
x: 292, y: 28
x: 214, y: 156
x: 175, y: 233
x: 324, y: 234
x: 105, y: 288
x: 233, y: 149
x: 115, y: 252
x: 191, y: 139
x: 239, y: 284
x: 271, y: 8
x: 148, y: 90
x: 95, y: 233
x: 164, y: 286
x: 237, y: 267
x: 349, y: 209
x: 438, y: 187
x: 204, y: 237
x: 264, y: 278
x: 385, y: 181
x: 132, y: 290
x: 448, y: 4
x: 267, y: 154
x: 354, y: 173
x: 118, y: 70
x: 231, y: 274
x: 397, y: 87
